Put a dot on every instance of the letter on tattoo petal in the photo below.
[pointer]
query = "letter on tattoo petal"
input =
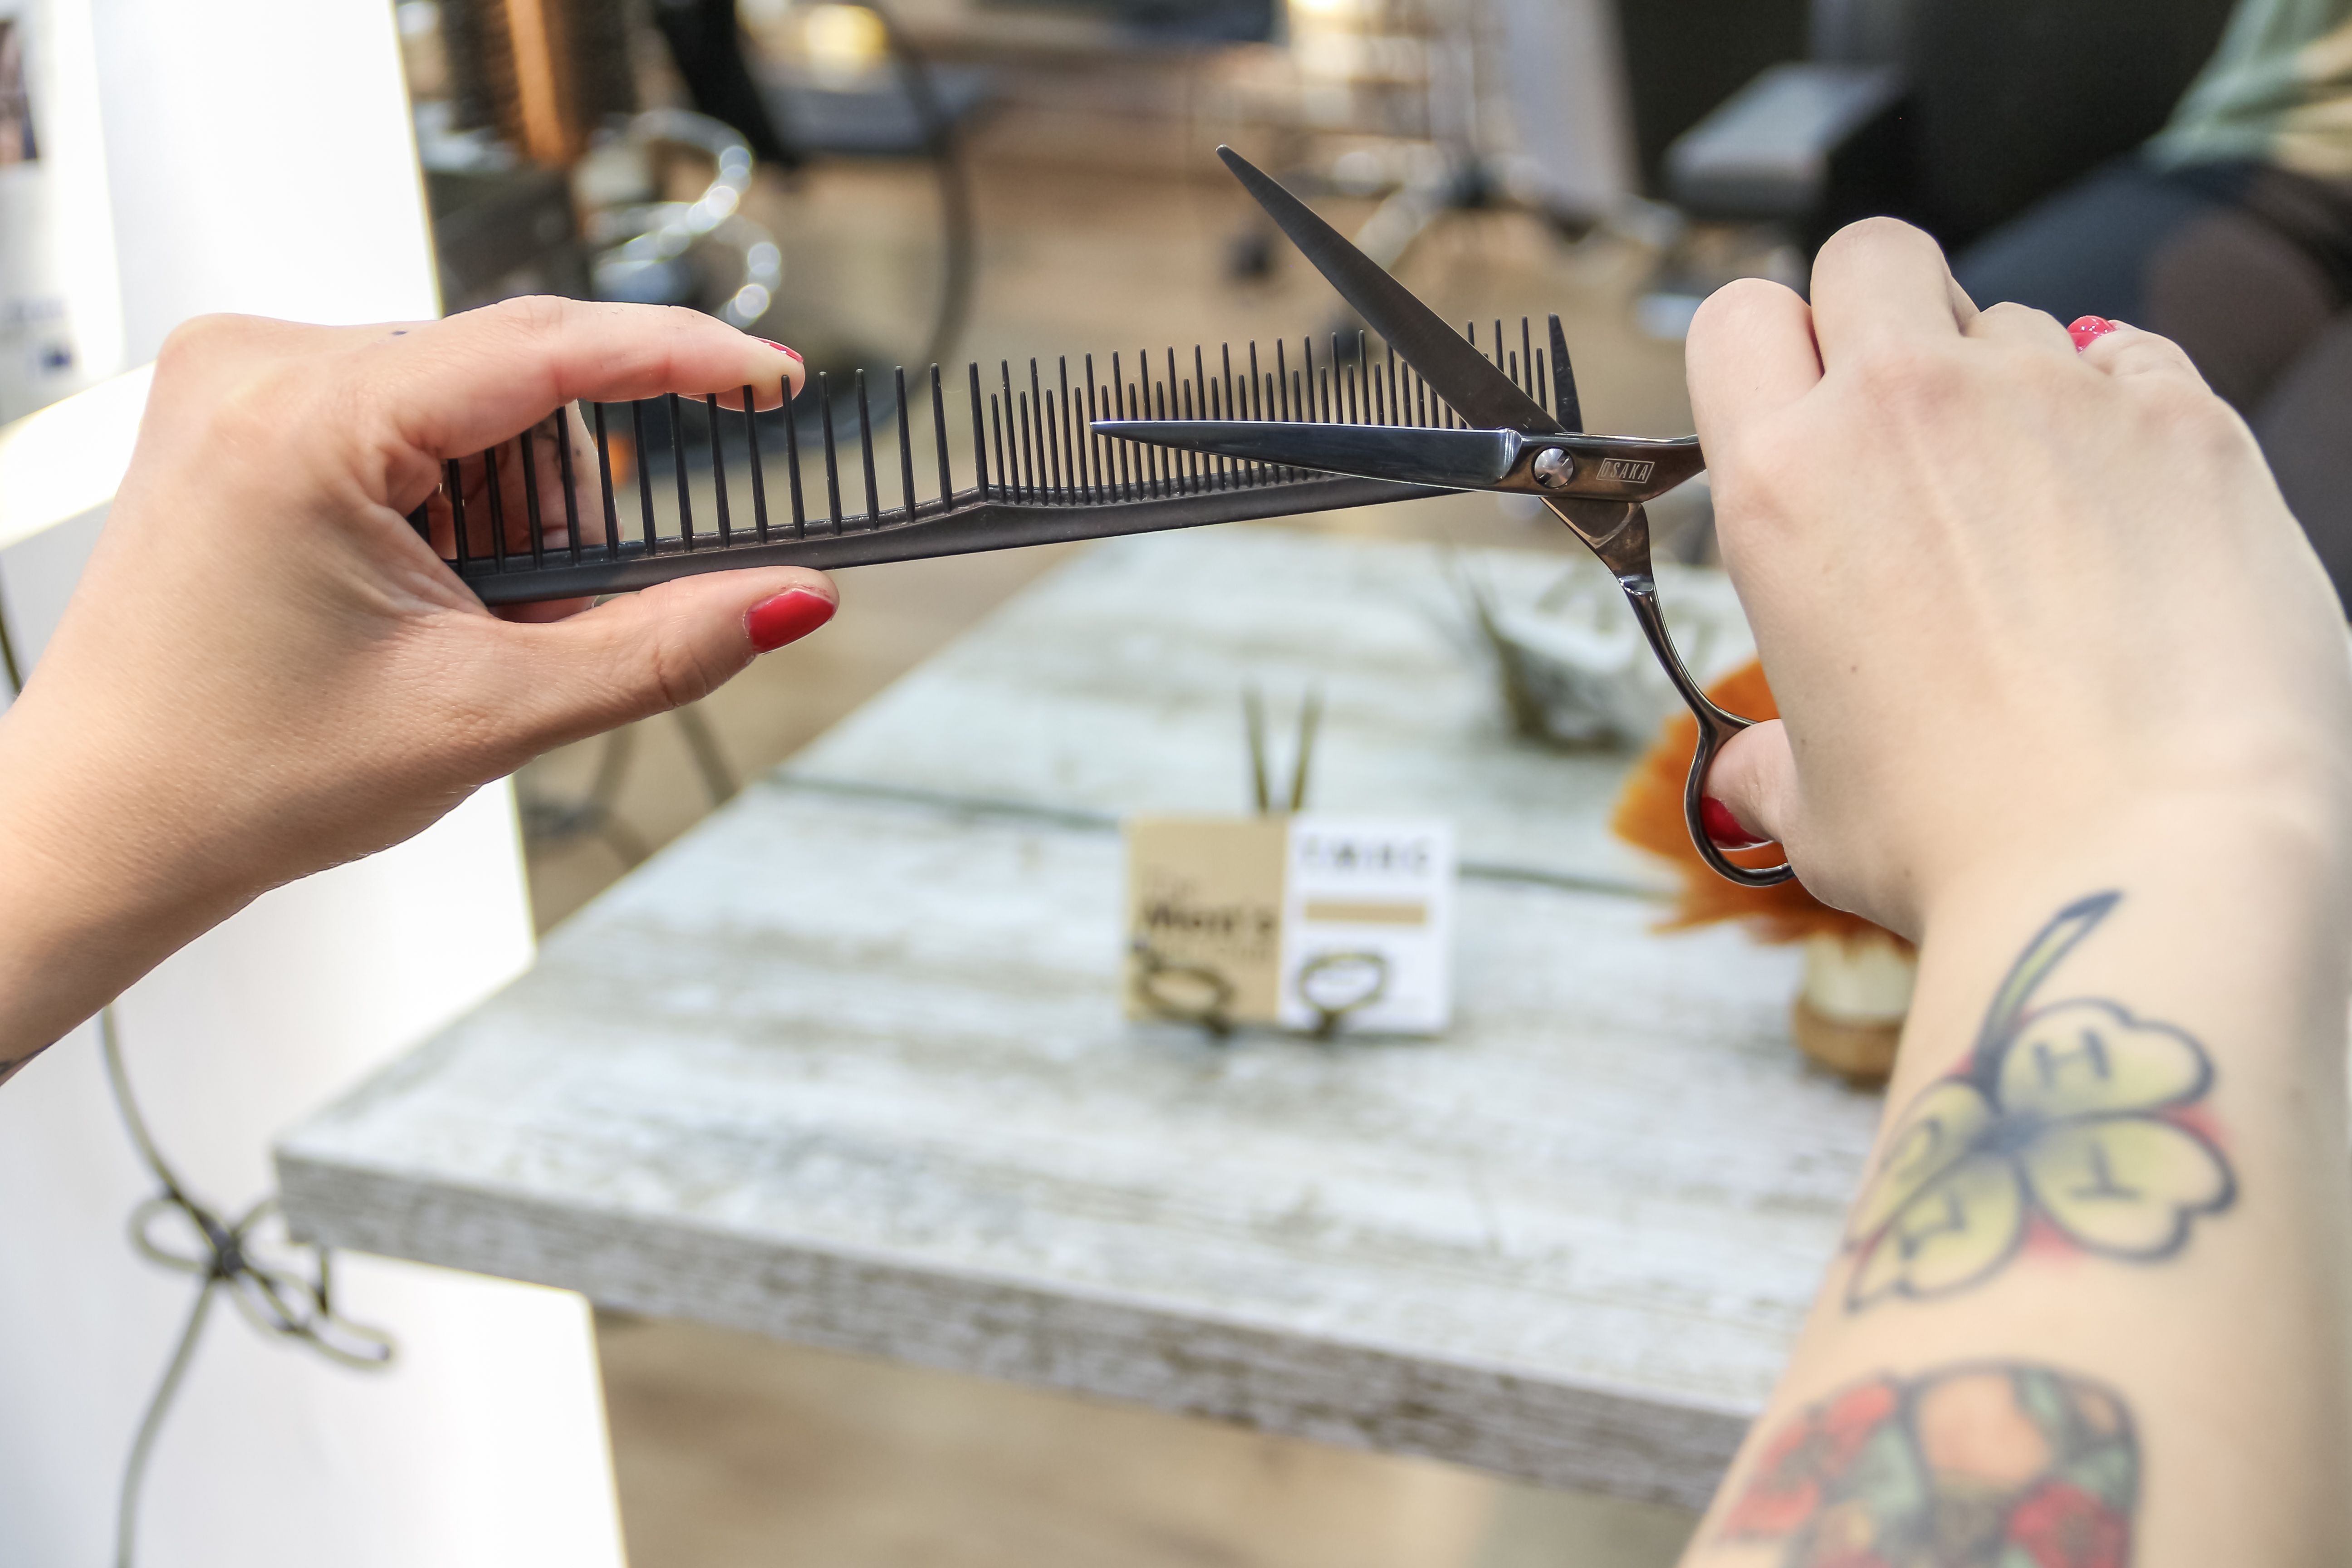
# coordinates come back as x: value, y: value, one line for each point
x: 2128, y: 1184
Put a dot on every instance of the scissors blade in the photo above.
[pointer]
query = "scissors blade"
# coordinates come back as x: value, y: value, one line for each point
x: 1458, y: 372
x: 1454, y: 459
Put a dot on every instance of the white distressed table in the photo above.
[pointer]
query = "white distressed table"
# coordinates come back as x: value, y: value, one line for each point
x: 845, y: 1065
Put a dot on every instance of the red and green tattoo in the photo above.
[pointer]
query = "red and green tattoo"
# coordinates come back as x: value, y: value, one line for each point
x: 1989, y: 1464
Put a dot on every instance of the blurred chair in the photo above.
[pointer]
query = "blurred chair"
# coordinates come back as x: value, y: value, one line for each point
x: 1954, y: 114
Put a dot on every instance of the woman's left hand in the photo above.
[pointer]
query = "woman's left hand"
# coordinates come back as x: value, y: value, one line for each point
x: 265, y: 671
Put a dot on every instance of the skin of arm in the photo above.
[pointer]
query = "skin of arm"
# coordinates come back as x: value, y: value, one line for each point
x: 264, y: 671
x: 2067, y: 699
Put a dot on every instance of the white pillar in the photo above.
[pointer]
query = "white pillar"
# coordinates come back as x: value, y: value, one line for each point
x: 257, y: 157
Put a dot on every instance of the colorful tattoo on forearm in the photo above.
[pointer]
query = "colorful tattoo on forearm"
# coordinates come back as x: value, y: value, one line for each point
x: 2072, y: 1126
x: 1983, y: 1466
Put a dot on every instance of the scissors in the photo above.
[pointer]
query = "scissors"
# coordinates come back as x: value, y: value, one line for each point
x: 1595, y: 484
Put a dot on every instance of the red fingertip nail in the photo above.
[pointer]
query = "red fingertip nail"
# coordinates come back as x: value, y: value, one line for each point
x: 783, y: 350
x: 1724, y: 829
x: 2088, y: 330
x: 788, y: 617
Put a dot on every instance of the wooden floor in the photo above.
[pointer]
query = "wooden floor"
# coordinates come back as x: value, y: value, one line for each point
x: 733, y: 1452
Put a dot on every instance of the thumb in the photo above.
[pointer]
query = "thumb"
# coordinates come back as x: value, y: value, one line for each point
x: 1753, y: 780
x: 647, y: 653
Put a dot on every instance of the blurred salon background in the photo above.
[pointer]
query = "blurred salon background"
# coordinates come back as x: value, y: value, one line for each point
x: 937, y: 181
x: 943, y: 180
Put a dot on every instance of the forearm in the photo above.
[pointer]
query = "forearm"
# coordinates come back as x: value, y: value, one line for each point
x: 91, y: 897
x: 2154, y: 1227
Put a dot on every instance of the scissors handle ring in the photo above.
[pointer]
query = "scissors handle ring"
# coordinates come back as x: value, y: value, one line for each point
x: 1715, y: 727
x: 1627, y: 554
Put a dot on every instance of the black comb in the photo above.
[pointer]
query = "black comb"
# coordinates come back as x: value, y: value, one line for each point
x: 1035, y: 473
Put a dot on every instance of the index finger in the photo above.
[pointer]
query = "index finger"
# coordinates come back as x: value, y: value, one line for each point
x: 458, y: 385
x: 1749, y: 351
x: 1881, y: 282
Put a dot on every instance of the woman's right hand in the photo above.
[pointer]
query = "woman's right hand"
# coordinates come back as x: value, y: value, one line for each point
x: 2012, y: 598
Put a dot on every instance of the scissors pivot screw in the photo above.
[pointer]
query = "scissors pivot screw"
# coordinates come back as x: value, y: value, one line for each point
x: 1553, y: 468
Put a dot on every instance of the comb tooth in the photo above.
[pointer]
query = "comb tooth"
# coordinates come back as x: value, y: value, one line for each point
x: 1513, y: 370
x: 1536, y: 373
x: 865, y: 450
x: 996, y: 430
x: 906, y: 445
x: 1567, y: 409
x: 1188, y: 464
x: 1395, y: 408
x: 1048, y: 462
x: 532, y: 515
x: 677, y: 467
x: 758, y: 463
x: 1013, y: 436
x: 1282, y: 378
x: 1119, y: 411
x: 605, y: 486
x: 1307, y: 362
x: 645, y: 474
x: 1212, y: 471
x: 1528, y: 363
x: 940, y: 439
x: 718, y: 471
x: 497, y: 508
x: 1155, y: 456
x: 1027, y: 489
x: 1012, y: 431
x: 1094, y: 442
x: 1498, y: 342
x: 453, y: 481
x: 793, y: 467
x: 421, y: 519
x: 1073, y: 461
x: 831, y: 457
x: 979, y: 438
x: 570, y: 491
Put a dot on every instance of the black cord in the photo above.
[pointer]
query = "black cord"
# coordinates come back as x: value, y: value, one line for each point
x: 273, y: 1299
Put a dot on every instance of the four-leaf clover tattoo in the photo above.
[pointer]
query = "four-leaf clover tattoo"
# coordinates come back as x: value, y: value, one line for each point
x: 2072, y: 1119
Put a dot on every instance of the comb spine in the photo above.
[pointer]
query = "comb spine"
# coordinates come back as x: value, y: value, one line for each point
x: 759, y: 466
x: 532, y: 515
x: 605, y: 485
x: 940, y: 440
x: 718, y: 471
x: 645, y: 475
x: 831, y: 457
x: 455, y: 481
x: 865, y: 450
x: 906, y: 445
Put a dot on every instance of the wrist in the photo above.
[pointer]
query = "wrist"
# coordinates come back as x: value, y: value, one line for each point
x: 95, y: 896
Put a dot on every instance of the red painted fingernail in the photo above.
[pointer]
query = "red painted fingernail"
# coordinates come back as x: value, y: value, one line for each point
x: 2088, y: 330
x: 1724, y: 827
x: 788, y: 617
x: 783, y: 350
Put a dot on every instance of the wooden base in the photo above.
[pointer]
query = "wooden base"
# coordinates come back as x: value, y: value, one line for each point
x: 1863, y: 1054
